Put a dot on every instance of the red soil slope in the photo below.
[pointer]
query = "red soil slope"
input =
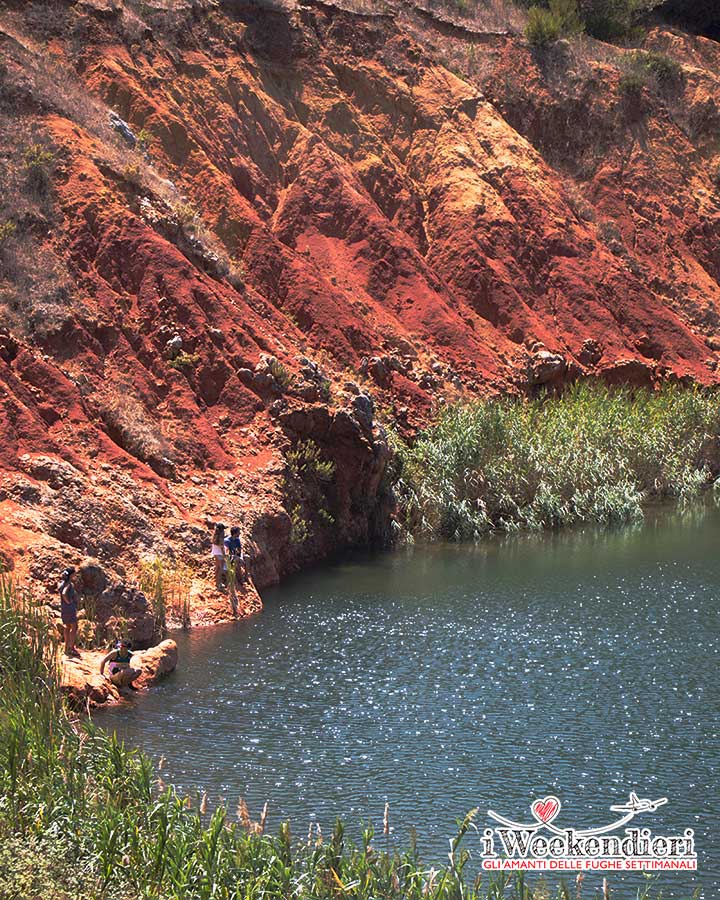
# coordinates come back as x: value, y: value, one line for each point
x: 320, y: 212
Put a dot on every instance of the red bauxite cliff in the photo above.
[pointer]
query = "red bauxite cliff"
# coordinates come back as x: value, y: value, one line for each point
x: 330, y: 217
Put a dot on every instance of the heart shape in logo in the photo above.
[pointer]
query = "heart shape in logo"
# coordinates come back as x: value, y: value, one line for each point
x: 546, y: 809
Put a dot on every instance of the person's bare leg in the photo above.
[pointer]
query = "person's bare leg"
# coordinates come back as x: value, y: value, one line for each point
x: 125, y: 677
x: 233, y: 596
x: 219, y: 572
x: 66, y: 635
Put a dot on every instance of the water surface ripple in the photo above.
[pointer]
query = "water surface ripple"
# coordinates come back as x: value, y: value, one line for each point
x: 442, y: 678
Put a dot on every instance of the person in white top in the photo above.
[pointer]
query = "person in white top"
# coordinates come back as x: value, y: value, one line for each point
x: 218, y: 554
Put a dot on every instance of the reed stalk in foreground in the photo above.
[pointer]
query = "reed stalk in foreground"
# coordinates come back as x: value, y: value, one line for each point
x: 84, y: 818
x: 595, y: 454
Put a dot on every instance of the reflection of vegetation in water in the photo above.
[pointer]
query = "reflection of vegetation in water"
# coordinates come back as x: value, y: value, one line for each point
x: 595, y: 455
x: 81, y: 816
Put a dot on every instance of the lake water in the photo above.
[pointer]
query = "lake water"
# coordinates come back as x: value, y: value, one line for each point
x: 583, y: 664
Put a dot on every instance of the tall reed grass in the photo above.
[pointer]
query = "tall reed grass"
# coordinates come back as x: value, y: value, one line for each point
x: 596, y: 454
x: 167, y: 584
x: 83, y: 817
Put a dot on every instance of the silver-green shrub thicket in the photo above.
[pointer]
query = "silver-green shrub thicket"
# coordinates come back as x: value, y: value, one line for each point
x: 595, y: 454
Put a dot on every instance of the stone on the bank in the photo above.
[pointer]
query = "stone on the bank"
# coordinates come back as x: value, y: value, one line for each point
x: 155, y: 662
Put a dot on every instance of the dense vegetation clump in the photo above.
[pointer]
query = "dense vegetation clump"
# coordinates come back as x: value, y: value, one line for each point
x: 546, y: 25
x: 595, y: 455
x: 608, y: 20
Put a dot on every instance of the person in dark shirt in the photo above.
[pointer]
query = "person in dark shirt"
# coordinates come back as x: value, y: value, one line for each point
x: 69, y: 610
x: 233, y: 545
x: 235, y: 563
x: 122, y: 674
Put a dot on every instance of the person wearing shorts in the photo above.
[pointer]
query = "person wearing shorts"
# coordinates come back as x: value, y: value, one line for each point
x: 69, y: 610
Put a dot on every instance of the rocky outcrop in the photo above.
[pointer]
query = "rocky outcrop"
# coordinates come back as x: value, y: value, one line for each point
x: 85, y: 687
x: 155, y: 663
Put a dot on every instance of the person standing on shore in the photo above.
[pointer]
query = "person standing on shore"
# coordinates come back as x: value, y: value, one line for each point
x: 233, y: 550
x: 69, y: 610
x: 218, y: 554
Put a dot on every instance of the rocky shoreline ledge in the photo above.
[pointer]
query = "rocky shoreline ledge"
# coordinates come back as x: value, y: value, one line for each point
x: 84, y: 686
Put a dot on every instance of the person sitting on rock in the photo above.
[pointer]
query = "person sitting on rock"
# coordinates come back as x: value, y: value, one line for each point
x: 69, y: 610
x: 122, y: 673
x: 218, y: 554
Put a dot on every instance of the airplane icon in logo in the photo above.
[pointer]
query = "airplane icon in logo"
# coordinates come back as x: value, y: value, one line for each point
x: 637, y: 804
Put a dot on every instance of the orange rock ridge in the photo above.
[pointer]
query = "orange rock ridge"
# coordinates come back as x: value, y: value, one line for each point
x: 322, y: 226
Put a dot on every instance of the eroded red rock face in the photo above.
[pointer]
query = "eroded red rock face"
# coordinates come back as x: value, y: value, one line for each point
x: 318, y: 212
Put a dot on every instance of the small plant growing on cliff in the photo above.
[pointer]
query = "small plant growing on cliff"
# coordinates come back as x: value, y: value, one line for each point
x: 187, y: 216
x: 132, y: 174
x: 166, y: 584
x: 631, y: 88
x: 145, y: 140
x: 39, y: 162
x: 184, y: 362
x: 650, y: 67
x: 281, y: 374
x: 545, y: 26
x: 306, y: 461
x: 7, y: 230
x: 325, y: 517
x: 300, y: 527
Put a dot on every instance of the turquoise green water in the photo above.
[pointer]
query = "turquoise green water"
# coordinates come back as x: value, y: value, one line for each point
x: 582, y: 664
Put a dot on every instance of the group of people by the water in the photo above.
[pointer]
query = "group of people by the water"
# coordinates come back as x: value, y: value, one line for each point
x: 229, y: 561
x: 122, y: 673
x: 230, y: 570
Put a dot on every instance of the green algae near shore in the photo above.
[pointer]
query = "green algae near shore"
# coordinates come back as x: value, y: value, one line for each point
x: 594, y: 454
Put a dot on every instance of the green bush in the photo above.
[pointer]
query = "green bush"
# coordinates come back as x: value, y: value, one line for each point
x: 542, y: 27
x: 39, y: 162
x: 567, y: 12
x: 663, y: 70
x: 300, y: 529
x: 609, y: 20
x: 184, y: 362
x: 145, y: 140
x: 306, y: 462
x: 545, y: 26
x: 631, y: 87
x: 282, y: 375
x: 594, y: 455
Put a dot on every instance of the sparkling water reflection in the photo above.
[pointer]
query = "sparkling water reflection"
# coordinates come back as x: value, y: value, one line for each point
x: 442, y: 678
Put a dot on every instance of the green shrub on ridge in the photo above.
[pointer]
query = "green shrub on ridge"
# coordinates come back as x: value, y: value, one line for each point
x: 545, y: 26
